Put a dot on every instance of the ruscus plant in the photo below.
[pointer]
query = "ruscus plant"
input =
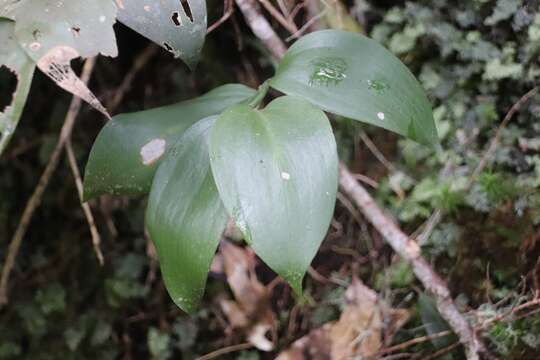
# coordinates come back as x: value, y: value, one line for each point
x: 271, y: 168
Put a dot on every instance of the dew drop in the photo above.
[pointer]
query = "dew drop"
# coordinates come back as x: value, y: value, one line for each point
x: 328, y: 71
x: 378, y: 86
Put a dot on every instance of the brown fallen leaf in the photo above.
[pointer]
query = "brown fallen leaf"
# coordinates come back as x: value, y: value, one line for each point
x: 364, y: 327
x: 250, y: 312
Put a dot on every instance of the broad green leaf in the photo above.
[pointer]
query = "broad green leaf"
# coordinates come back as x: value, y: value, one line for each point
x: 13, y: 58
x: 178, y: 26
x: 54, y: 32
x: 276, y: 172
x: 127, y: 151
x: 353, y: 76
x: 185, y: 216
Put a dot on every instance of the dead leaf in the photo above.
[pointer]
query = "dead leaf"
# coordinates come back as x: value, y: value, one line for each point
x: 364, y: 327
x: 250, y: 312
x: 56, y: 65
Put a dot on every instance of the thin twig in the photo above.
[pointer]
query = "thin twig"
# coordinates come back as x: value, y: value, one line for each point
x: 442, y: 352
x: 35, y: 199
x: 96, y: 238
x: 226, y: 350
x: 376, y: 152
x: 289, y: 25
x: 414, y: 341
x: 307, y: 25
x: 228, y: 10
x: 495, y: 141
x: 139, y: 63
x: 407, y: 248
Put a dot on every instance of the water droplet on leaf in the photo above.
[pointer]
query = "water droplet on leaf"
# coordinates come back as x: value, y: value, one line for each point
x: 378, y: 86
x: 328, y: 71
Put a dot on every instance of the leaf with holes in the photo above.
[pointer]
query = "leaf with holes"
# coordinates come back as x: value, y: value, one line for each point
x: 353, y: 76
x: 179, y: 26
x: 127, y: 151
x: 276, y: 172
x: 185, y: 216
x: 55, y: 32
x: 16, y: 71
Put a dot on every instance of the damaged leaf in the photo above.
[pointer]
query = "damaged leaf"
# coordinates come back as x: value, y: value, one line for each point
x: 178, y: 26
x: 17, y: 64
x: 185, y: 216
x: 125, y: 165
x: 276, y: 172
x: 365, y: 326
x: 55, y: 32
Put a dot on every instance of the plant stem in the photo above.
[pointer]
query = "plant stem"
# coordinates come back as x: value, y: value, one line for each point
x: 260, y: 95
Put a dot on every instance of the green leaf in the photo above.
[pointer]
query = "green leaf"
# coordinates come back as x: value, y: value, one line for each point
x: 116, y: 164
x: 177, y: 26
x: 276, y: 172
x: 353, y: 76
x: 85, y: 26
x: 15, y: 60
x: 185, y: 216
x: 55, y: 32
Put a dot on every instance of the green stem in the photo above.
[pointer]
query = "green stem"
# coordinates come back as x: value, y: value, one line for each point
x: 260, y: 95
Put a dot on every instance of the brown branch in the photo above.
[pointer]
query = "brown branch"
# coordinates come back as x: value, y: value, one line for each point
x: 407, y: 248
x: 414, y: 341
x: 96, y: 238
x: 495, y: 141
x: 287, y: 24
x: 261, y: 28
x: 226, y: 350
x: 139, y: 63
x: 35, y: 199
x: 228, y: 10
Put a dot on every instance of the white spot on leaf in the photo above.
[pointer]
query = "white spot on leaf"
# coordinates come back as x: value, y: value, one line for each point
x: 152, y: 151
x: 380, y: 115
x: 285, y: 175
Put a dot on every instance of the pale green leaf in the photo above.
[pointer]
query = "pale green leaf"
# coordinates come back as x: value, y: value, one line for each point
x: 178, y: 26
x: 13, y: 58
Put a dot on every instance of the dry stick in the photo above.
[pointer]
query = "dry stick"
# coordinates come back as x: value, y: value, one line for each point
x: 228, y: 10
x: 495, y: 142
x: 140, y: 62
x: 407, y: 248
x: 414, y: 341
x: 35, y: 199
x: 289, y: 25
x: 96, y: 238
x: 226, y: 350
x: 442, y: 352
